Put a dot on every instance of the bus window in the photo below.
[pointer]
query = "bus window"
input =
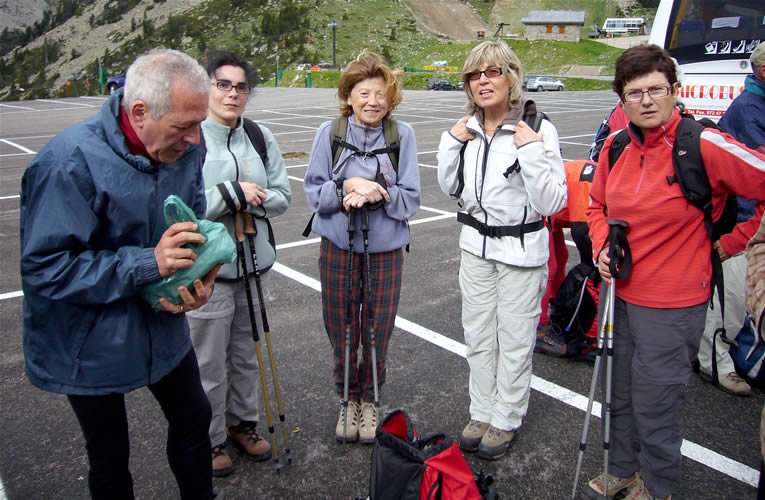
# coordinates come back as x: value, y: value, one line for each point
x: 711, y: 40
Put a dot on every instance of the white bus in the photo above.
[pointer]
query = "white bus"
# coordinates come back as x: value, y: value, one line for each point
x: 624, y: 25
x: 712, y: 41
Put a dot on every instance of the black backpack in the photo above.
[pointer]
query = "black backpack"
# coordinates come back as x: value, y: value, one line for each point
x: 691, y: 174
x: 532, y: 118
x: 573, y: 310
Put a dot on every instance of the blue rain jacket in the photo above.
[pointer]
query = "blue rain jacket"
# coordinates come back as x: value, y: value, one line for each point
x: 91, y: 215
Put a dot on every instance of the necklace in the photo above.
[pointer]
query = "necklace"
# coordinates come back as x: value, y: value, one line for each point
x: 489, y: 130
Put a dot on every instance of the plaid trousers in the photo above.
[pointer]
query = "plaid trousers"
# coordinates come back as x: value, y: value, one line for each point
x: 385, y: 276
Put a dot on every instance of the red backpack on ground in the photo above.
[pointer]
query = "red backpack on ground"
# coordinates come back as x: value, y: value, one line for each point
x: 407, y: 467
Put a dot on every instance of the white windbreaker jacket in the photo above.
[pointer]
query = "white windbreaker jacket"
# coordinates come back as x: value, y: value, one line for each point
x: 523, y: 197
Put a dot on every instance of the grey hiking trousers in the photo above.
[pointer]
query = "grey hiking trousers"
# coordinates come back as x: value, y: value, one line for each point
x: 653, y: 351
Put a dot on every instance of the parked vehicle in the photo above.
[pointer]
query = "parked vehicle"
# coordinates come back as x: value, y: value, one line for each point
x: 322, y: 67
x: 440, y: 84
x: 540, y: 83
x: 623, y: 26
x: 114, y: 83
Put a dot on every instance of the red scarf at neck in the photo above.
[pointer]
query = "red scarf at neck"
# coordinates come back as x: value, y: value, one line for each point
x: 134, y: 144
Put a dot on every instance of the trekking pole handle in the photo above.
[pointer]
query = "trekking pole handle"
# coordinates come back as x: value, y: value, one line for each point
x: 351, y: 228
x: 619, y: 249
x: 364, y: 218
x: 238, y: 227
x: 249, y: 227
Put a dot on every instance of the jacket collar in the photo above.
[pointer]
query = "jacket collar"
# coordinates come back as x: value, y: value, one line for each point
x: 755, y: 86
x: 664, y: 133
x: 110, y: 113
x: 218, y: 132
x: 511, y: 119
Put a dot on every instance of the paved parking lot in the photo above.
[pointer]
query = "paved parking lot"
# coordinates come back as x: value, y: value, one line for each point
x: 43, y: 454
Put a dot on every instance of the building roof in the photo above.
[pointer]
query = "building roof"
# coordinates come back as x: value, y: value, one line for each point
x: 554, y: 17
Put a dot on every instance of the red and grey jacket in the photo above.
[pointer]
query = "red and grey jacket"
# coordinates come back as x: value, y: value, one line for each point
x: 670, y: 245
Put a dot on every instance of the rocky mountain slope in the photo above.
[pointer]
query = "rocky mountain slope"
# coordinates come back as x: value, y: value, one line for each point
x: 77, y: 36
x: 452, y: 19
x: 22, y: 13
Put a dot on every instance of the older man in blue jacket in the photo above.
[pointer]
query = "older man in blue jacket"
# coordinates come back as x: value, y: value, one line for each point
x: 745, y: 121
x: 92, y: 235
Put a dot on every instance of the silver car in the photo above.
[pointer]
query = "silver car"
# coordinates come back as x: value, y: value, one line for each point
x: 540, y: 83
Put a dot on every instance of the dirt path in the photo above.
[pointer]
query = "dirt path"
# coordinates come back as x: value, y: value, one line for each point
x: 451, y: 19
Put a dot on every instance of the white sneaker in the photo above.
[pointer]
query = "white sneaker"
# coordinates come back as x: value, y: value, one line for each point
x: 348, y: 431
x: 368, y: 424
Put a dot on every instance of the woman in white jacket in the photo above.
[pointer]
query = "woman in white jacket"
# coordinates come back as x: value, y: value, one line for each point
x: 512, y: 177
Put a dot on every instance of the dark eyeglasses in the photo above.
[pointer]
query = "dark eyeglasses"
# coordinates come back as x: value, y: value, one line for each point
x: 656, y: 92
x: 492, y: 72
x: 226, y: 86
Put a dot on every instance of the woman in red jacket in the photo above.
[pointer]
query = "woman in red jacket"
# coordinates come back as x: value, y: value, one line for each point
x: 660, y: 307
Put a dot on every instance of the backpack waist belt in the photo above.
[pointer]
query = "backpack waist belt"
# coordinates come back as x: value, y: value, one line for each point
x: 516, y: 231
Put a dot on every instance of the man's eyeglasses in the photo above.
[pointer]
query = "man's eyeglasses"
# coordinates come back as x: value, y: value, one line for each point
x: 656, y: 92
x: 226, y: 86
x: 492, y: 72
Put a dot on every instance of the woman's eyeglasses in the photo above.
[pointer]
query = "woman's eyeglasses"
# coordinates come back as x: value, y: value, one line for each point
x: 656, y: 92
x: 226, y: 86
x: 492, y: 72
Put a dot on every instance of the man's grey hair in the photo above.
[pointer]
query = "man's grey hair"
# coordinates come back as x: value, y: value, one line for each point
x: 153, y: 75
x: 758, y: 57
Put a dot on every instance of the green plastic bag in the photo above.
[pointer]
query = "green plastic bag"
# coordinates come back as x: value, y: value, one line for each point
x: 217, y: 248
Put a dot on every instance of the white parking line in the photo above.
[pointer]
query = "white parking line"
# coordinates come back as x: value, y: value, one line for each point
x: 18, y: 146
x: 67, y: 102
x: 691, y: 450
x: 16, y: 107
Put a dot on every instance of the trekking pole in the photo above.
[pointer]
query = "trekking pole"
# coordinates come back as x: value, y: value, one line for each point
x: 620, y: 265
x: 251, y: 232
x: 348, y: 321
x: 256, y: 337
x: 369, y: 300
x: 591, y: 397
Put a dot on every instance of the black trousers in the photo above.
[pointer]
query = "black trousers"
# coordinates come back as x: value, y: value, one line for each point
x: 103, y: 420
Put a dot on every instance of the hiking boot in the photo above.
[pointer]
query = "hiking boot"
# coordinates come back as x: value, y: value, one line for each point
x: 731, y: 383
x: 597, y: 488
x: 638, y: 491
x: 494, y: 443
x: 471, y: 435
x: 368, y: 424
x: 542, y: 330
x: 222, y: 465
x: 352, y: 432
x: 246, y: 439
x: 551, y: 344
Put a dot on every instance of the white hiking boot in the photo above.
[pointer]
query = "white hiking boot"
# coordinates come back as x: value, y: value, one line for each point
x: 368, y: 424
x: 351, y: 428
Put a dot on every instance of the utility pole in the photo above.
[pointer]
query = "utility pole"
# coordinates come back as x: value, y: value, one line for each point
x: 333, y: 25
